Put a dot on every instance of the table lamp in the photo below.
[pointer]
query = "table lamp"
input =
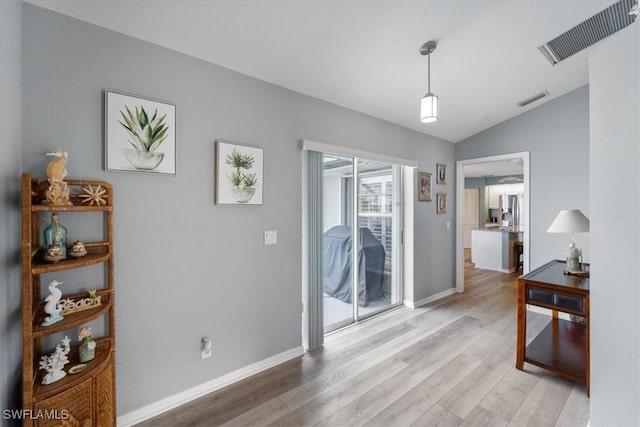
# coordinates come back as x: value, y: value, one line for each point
x: 571, y: 221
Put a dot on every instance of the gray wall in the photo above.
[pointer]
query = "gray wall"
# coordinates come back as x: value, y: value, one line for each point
x: 557, y: 136
x: 434, y: 263
x: 10, y: 169
x: 185, y: 267
x: 615, y: 231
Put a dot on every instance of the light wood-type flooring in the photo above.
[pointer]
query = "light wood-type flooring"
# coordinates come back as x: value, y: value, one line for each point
x: 449, y: 363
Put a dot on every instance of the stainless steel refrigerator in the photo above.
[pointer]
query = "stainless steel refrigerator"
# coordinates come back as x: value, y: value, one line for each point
x: 512, y: 205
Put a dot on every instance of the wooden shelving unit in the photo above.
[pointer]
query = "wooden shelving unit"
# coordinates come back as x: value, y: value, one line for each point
x: 86, y: 398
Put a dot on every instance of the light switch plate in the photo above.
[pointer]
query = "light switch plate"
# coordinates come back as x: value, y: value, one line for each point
x: 206, y: 348
x: 271, y: 237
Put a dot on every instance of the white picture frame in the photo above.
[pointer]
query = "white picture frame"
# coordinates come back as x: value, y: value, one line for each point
x: 424, y: 186
x: 441, y: 173
x: 441, y: 203
x: 238, y: 165
x: 127, y: 146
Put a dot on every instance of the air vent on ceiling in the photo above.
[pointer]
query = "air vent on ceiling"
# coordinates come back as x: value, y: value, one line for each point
x: 591, y: 31
x: 533, y: 98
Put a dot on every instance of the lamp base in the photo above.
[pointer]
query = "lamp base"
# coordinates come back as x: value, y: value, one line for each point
x: 582, y: 273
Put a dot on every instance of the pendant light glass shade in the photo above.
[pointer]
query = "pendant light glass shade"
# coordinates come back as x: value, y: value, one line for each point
x: 429, y: 104
x: 429, y: 108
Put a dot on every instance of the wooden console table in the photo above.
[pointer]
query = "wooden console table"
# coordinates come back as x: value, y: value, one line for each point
x: 563, y: 346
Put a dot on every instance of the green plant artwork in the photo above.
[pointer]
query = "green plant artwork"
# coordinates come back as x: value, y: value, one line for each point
x: 140, y: 134
x: 239, y: 174
x: 146, y: 134
x: 241, y: 162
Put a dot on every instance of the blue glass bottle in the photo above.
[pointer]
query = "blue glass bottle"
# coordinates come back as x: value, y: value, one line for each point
x: 55, y: 236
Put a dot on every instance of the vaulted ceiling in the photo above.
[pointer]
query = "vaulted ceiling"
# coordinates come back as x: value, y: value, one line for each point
x: 364, y: 55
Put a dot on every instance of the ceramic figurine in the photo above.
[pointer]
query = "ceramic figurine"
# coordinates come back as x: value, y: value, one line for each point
x: 78, y: 249
x: 58, y: 191
x: 51, y: 307
x: 573, y: 255
x: 54, y: 363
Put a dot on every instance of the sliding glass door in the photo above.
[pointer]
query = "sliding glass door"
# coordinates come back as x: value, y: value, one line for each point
x: 379, y: 228
x: 365, y: 193
x: 337, y: 214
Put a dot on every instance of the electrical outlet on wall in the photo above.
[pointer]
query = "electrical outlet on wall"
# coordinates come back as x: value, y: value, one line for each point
x: 206, y: 348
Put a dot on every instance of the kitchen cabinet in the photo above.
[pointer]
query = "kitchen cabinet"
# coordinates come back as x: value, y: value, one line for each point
x: 494, y: 249
x: 495, y: 191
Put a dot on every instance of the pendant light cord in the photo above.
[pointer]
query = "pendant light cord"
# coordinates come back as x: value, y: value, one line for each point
x: 429, y: 73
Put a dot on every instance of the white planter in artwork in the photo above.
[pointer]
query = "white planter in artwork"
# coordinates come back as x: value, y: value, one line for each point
x: 242, y: 194
x: 143, y: 160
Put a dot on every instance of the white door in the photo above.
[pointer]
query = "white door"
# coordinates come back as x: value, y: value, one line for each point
x: 471, y: 206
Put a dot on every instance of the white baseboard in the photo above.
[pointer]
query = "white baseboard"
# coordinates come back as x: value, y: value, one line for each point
x: 432, y: 298
x: 168, y: 403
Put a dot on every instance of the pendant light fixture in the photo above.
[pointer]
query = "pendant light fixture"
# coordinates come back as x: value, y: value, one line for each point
x: 429, y: 104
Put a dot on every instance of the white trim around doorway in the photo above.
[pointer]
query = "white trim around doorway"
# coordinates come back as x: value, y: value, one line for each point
x: 323, y: 147
x: 460, y: 164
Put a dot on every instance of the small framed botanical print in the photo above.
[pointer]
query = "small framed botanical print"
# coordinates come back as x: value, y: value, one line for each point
x: 239, y: 174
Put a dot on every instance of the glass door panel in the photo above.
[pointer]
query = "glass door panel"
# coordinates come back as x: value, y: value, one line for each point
x: 378, y: 236
x: 337, y: 241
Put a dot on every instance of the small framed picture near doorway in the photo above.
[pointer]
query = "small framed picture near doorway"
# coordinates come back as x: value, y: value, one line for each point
x: 441, y: 203
x: 424, y: 187
x: 441, y: 173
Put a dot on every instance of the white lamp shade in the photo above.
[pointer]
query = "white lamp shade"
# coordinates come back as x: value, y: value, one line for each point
x: 429, y: 108
x: 569, y: 221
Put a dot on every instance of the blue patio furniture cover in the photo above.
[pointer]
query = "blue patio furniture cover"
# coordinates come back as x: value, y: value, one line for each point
x: 337, y: 265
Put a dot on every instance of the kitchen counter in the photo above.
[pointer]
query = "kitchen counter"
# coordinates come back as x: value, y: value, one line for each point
x: 494, y: 249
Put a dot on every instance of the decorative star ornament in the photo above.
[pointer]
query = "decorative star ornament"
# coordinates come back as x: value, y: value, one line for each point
x: 94, y: 196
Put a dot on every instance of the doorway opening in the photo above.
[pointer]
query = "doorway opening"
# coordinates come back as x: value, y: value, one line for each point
x: 492, y: 227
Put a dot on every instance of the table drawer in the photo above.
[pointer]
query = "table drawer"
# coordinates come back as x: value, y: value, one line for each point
x: 540, y: 295
x: 557, y: 299
x: 569, y: 301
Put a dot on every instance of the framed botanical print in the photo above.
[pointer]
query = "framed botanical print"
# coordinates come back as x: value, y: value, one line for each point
x: 239, y: 174
x: 140, y: 134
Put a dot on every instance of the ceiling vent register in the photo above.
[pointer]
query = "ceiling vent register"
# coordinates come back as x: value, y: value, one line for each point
x: 589, y: 32
x: 533, y: 98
